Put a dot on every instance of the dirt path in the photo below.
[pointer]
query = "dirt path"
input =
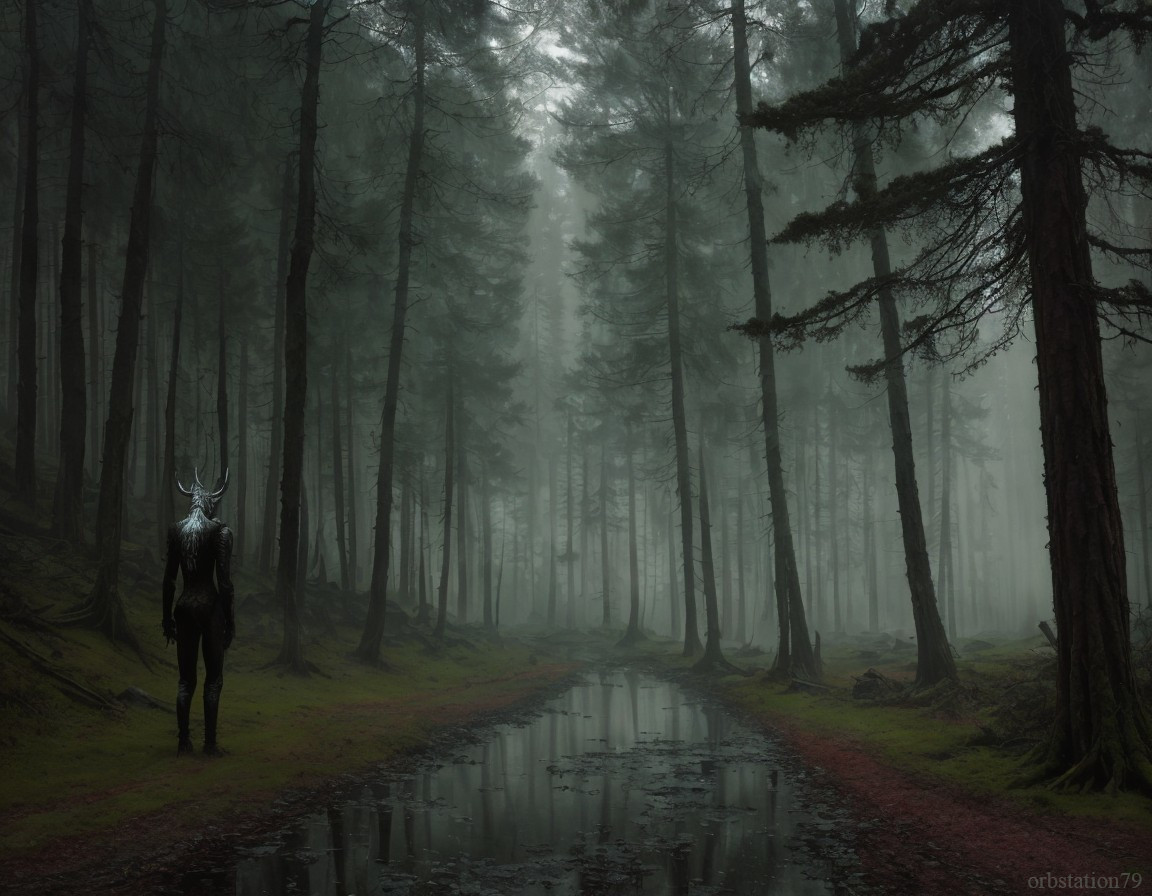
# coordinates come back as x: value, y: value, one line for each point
x: 918, y: 836
x: 914, y: 836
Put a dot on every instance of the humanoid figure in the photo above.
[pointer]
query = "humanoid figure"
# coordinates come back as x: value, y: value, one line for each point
x: 201, y: 547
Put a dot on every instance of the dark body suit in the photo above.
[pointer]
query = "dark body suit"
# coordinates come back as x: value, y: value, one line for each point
x: 203, y: 614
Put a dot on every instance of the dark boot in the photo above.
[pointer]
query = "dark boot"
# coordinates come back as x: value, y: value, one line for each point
x: 211, y: 712
x: 184, y: 692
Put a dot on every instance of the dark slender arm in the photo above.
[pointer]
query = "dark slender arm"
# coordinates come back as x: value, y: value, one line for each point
x: 169, y: 586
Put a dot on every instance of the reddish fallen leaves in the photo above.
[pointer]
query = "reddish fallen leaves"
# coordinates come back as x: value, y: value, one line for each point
x: 931, y: 838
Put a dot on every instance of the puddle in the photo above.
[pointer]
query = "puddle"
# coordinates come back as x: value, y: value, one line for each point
x: 625, y: 784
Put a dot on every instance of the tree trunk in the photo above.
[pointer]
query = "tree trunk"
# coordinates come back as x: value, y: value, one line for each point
x: 139, y: 414
x: 422, y: 614
x: 352, y: 542
x: 95, y: 361
x: 741, y: 593
x: 240, y: 544
x: 944, y: 572
x: 634, y: 633
x: 222, y: 375
x: 679, y: 422
x: 103, y: 608
x: 552, y: 511
x: 605, y: 569
x: 369, y: 647
x: 289, y: 584
x: 1142, y: 484
x: 276, y: 429
x: 338, y: 479
x: 870, y: 549
x: 318, y: 486
x: 727, y: 613
x: 168, y: 477
x: 794, y: 649
x: 585, y: 514
x: 833, y: 514
x: 68, y: 506
x: 486, y: 550
x: 462, y: 522
x: 29, y: 266
x: 934, y: 661
x: 404, y: 592
x: 570, y: 591
x: 713, y: 658
x: 10, y: 401
x: 672, y: 601
x: 449, y: 466
x: 1101, y: 736
x: 153, y: 441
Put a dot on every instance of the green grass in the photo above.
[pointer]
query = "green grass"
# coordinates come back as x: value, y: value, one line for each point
x: 932, y: 742
x: 71, y: 769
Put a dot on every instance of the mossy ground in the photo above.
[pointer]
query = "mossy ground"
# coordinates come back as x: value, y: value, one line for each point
x: 72, y: 769
x: 941, y: 737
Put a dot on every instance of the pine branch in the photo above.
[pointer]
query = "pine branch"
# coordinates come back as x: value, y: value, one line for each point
x: 950, y: 187
x: 934, y: 61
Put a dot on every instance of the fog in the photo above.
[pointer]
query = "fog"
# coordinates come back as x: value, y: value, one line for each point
x: 532, y: 220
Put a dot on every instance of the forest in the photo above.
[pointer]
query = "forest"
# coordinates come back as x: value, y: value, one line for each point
x: 748, y: 344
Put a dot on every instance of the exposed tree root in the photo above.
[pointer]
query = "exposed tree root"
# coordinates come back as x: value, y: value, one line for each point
x: 107, y: 617
x: 67, y: 685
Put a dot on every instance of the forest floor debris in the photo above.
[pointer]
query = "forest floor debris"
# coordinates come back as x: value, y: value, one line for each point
x: 926, y: 778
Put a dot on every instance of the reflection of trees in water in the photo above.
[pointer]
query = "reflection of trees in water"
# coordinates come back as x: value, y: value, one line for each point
x: 616, y: 800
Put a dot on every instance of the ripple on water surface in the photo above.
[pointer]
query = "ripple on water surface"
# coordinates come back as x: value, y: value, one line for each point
x: 625, y: 784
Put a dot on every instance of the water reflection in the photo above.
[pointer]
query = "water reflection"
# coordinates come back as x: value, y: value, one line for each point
x: 623, y: 785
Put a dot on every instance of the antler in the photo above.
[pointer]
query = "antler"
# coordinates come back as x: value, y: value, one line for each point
x: 223, y: 487
x: 196, y: 473
x: 183, y: 491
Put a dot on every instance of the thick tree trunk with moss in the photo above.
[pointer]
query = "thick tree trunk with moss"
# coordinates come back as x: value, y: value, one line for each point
x: 368, y: 650
x: 289, y: 582
x: 29, y: 266
x: 1101, y: 736
x: 934, y: 660
x: 68, y: 505
x: 794, y: 649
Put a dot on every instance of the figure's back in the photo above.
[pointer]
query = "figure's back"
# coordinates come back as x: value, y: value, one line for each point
x: 196, y: 540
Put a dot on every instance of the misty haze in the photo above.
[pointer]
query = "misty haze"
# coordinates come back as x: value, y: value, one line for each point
x: 604, y: 447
